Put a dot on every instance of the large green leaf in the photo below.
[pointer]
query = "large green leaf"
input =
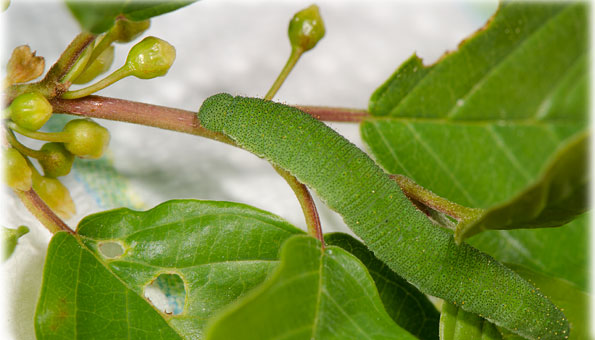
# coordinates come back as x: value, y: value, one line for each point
x: 456, y: 324
x: 99, y: 16
x: 556, y: 198
x: 556, y: 252
x: 203, y: 255
x: 408, y: 307
x: 314, y: 294
x: 482, y: 125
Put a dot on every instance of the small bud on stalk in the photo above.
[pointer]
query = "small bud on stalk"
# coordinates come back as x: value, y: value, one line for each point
x: 55, y: 195
x: 86, y: 138
x: 56, y: 160
x: 10, y: 238
x: 150, y: 58
x: 17, y: 173
x: 30, y: 111
x: 306, y: 28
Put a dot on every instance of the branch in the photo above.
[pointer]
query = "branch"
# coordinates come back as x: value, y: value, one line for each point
x: 335, y: 114
x: 42, y: 212
x: 174, y: 119
x: 138, y: 113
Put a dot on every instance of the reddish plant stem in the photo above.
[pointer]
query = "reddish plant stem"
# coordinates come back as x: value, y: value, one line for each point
x: 137, y: 113
x: 42, y: 212
x: 170, y: 118
x: 334, y: 114
x: 306, y: 202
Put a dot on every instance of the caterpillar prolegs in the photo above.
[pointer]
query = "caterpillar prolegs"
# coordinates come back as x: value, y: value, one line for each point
x: 376, y: 210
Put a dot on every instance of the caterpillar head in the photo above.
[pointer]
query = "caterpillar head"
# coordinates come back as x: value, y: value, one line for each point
x: 213, y: 111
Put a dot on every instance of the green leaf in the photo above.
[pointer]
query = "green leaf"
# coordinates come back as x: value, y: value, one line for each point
x: 314, y: 294
x: 10, y: 238
x: 406, y: 305
x: 556, y: 198
x: 81, y: 299
x: 569, y: 297
x: 99, y: 16
x: 556, y: 252
x: 482, y: 125
x: 456, y: 324
x: 202, y: 255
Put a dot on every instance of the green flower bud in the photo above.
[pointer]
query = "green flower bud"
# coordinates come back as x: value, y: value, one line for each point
x: 86, y: 138
x: 150, y: 58
x: 126, y: 30
x: 100, y: 65
x: 17, y: 173
x: 55, y: 195
x: 10, y: 237
x: 30, y: 111
x: 56, y: 161
x: 4, y: 5
x: 306, y: 28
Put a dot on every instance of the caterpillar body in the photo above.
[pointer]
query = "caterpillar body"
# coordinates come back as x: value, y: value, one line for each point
x: 376, y: 210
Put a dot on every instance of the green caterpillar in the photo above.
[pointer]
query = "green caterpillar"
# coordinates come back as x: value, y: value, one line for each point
x: 374, y: 207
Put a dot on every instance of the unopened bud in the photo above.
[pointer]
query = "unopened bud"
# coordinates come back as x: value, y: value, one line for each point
x: 10, y: 238
x: 56, y: 160
x: 150, y: 58
x: 17, y: 173
x: 306, y: 28
x: 30, y: 111
x: 86, y: 138
x: 55, y: 195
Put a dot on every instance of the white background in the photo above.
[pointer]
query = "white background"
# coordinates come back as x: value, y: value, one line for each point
x: 224, y: 46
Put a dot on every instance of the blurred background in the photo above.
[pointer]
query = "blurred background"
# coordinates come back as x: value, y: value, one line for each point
x: 222, y: 46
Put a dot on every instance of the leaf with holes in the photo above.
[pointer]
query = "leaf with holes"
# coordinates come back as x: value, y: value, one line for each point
x: 456, y: 324
x: 406, y: 305
x: 314, y: 294
x: 158, y: 274
x: 99, y: 16
x: 481, y: 125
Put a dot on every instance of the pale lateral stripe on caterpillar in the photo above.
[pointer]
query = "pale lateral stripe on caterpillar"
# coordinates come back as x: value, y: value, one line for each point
x: 374, y: 207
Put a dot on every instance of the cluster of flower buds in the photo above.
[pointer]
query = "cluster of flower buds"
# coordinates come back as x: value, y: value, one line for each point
x: 84, y: 138
x: 80, y: 137
x: 151, y: 57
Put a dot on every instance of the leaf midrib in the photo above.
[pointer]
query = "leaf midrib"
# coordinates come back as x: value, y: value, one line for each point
x: 476, y: 122
x: 194, y: 218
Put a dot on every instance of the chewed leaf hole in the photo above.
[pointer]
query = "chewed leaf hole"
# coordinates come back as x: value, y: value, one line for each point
x: 111, y: 249
x: 167, y: 293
